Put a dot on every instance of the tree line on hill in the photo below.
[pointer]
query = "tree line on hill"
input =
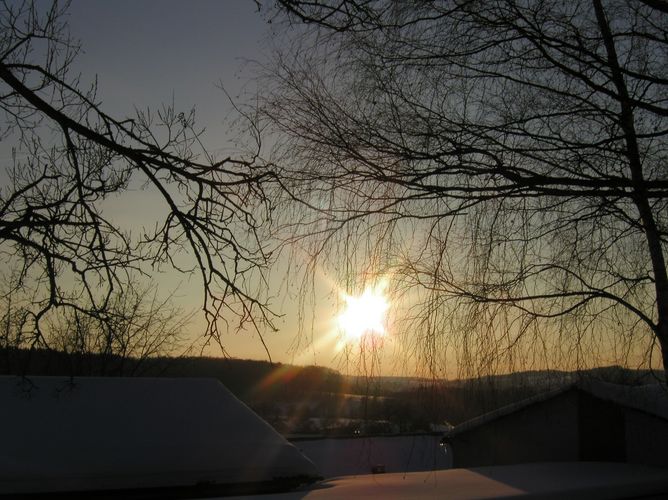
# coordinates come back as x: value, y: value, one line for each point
x: 319, y: 400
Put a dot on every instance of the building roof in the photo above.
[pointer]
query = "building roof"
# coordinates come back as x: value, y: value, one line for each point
x: 572, y: 480
x: 651, y: 399
x: 67, y: 434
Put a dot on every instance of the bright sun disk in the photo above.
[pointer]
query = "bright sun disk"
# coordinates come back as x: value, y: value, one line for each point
x: 364, y: 314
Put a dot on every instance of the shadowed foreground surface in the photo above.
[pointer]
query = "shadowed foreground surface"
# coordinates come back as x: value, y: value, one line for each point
x: 585, y: 480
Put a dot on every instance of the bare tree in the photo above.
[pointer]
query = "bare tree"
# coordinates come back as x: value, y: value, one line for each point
x: 70, y: 157
x: 138, y: 325
x: 504, y: 160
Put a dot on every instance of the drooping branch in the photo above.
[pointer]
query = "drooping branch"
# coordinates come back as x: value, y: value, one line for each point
x: 74, y: 156
x: 520, y: 146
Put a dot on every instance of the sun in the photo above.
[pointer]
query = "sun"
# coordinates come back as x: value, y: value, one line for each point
x: 364, y: 314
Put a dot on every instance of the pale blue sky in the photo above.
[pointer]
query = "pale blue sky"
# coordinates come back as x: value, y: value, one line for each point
x: 147, y: 52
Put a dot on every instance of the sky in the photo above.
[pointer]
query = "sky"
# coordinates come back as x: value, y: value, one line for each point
x: 149, y: 53
x: 152, y: 52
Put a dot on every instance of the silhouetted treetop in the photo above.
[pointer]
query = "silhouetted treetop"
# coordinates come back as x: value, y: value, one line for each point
x: 70, y: 157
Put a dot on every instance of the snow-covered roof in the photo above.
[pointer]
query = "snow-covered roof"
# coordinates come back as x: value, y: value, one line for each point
x: 506, y: 410
x: 652, y: 399
x: 571, y: 480
x: 64, y: 434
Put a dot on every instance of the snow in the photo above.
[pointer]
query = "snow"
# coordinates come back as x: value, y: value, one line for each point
x: 650, y: 398
x: 349, y: 456
x: 66, y: 434
x: 572, y: 480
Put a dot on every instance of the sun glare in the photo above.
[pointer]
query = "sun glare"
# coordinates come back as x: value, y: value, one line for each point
x: 364, y: 314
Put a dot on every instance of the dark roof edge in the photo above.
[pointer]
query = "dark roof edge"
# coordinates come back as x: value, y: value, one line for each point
x: 508, y: 409
x: 650, y: 399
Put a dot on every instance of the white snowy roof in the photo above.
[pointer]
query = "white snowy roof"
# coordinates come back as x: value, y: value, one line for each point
x: 506, y: 410
x: 64, y: 434
x: 652, y: 399
x: 571, y: 480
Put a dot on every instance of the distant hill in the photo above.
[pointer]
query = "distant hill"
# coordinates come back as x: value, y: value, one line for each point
x: 243, y: 377
x: 291, y: 397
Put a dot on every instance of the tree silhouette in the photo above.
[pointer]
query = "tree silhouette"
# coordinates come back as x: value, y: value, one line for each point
x: 507, y: 159
x: 70, y: 157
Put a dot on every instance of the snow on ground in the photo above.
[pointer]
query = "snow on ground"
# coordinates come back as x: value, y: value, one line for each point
x: 60, y: 434
x: 349, y: 456
x: 573, y: 480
